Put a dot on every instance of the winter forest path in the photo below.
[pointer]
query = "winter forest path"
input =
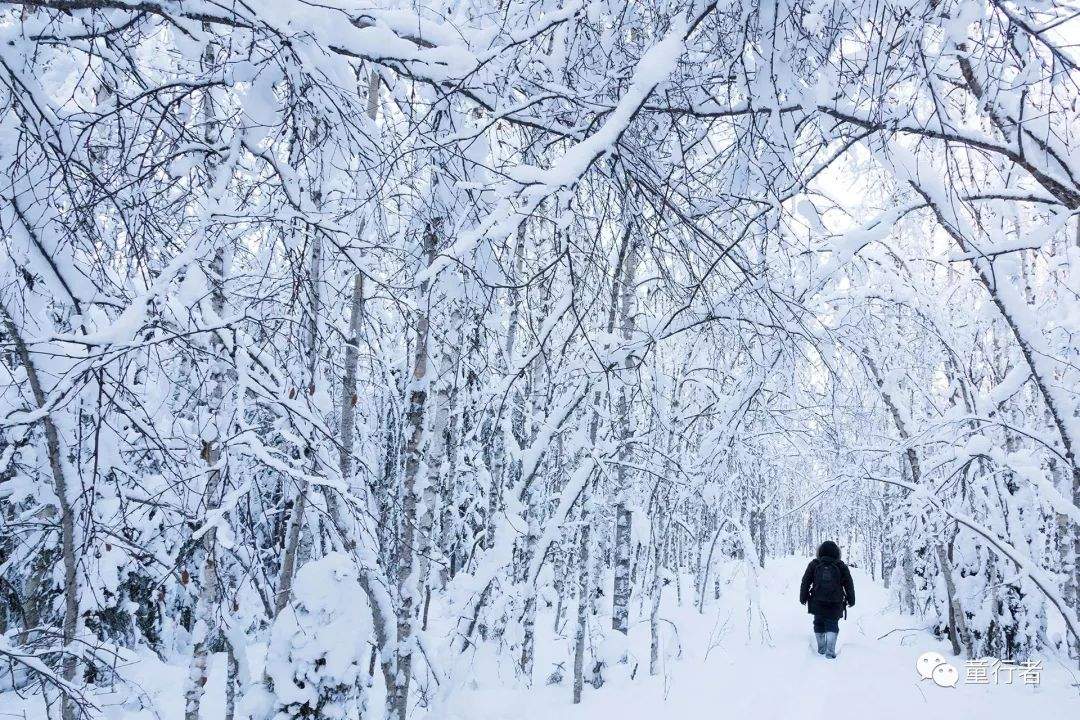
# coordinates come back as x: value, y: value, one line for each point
x: 726, y: 671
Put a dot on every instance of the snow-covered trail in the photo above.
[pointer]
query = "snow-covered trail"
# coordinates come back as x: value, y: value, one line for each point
x: 723, y: 673
x: 713, y: 669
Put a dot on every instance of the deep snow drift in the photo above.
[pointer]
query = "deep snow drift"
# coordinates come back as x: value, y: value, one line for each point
x: 737, y: 660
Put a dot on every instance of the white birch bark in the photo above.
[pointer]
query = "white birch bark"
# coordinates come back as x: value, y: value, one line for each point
x: 620, y: 617
x: 584, y: 589
x: 207, y: 606
x: 414, y: 456
x: 54, y: 447
x: 655, y: 593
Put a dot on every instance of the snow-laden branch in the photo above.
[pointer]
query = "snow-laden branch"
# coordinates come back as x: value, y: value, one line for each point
x: 530, y: 186
x: 1024, y: 563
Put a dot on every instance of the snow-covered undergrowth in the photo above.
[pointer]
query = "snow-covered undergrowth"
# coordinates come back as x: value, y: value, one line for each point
x: 711, y: 666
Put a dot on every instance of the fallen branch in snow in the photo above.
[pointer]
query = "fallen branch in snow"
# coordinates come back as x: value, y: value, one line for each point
x: 913, y: 629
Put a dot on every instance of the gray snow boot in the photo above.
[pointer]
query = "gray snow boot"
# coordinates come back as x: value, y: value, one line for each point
x: 820, y: 643
x: 830, y: 645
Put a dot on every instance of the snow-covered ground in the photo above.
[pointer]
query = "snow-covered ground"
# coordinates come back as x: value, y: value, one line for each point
x: 723, y: 673
x: 729, y: 662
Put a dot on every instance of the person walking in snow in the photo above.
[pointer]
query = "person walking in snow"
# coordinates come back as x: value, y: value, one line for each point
x: 827, y: 591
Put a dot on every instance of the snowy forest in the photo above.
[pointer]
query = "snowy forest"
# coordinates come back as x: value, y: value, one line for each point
x: 360, y: 356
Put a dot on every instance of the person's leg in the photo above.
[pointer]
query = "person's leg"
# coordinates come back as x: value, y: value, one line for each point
x: 832, y: 628
x: 819, y: 633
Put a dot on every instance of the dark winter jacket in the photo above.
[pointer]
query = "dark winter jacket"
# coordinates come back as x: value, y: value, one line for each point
x: 827, y: 553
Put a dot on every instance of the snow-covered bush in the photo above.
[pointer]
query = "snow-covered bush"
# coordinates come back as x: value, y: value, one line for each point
x: 318, y: 645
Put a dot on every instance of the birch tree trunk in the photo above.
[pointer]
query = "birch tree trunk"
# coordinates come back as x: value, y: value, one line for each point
x: 620, y: 616
x: 654, y: 608
x: 528, y: 641
x: 436, y: 454
x: 533, y: 491
x: 583, y: 605
x: 957, y: 633
x: 501, y: 428
x: 1070, y: 529
x: 414, y: 451
x: 67, y: 516
x: 384, y: 625
x: 209, y: 598
x: 585, y: 584
x: 347, y: 404
x: 208, y: 603
x: 311, y: 349
x: 232, y: 679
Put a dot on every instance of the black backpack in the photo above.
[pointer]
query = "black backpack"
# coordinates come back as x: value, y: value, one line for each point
x: 828, y: 581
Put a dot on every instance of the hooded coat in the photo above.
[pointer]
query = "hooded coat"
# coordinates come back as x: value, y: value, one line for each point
x: 829, y: 552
